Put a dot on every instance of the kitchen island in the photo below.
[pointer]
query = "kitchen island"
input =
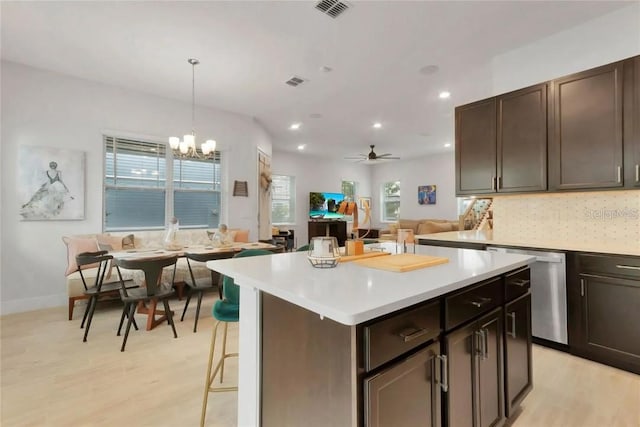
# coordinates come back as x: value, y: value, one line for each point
x: 318, y: 345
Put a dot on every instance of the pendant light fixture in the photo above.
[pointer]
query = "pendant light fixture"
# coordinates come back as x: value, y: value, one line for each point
x: 187, y: 147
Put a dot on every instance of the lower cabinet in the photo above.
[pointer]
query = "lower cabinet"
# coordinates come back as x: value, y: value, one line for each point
x: 605, y: 296
x: 517, y: 352
x: 407, y: 394
x: 475, y: 373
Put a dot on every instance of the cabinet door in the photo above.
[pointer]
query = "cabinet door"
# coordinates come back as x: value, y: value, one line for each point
x: 610, y: 319
x: 476, y: 147
x: 632, y: 122
x: 586, y: 133
x: 407, y: 394
x: 517, y: 352
x: 522, y: 140
x: 490, y: 397
x: 461, y: 348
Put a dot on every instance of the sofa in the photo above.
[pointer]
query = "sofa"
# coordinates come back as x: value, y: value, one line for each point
x: 419, y: 226
x: 139, y: 240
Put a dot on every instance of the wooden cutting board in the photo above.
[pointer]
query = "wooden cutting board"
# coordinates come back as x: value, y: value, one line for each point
x: 402, y: 262
x: 347, y: 258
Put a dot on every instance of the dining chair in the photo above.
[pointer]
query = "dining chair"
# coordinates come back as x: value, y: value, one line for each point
x: 199, y: 286
x: 152, y: 293
x: 224, y: 311
x: 100, y: 260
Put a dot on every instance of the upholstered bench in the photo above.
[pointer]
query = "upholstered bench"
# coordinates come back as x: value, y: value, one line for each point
x: 139, y: 240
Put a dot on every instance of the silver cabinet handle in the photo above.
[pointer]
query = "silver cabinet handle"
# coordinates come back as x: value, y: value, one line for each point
x: 485, y: 334
x: 637, y: 173
x: 628, y: 267
x: 619, y: 172
x: 499, y: 186
x: 521, y: 282
x: 493, y: 183
x: 513, y: 324
x: 581, y: 287
x: 444, y: 384
x: 479, y: 341
x: 411, y: 334
x: 480, y: 303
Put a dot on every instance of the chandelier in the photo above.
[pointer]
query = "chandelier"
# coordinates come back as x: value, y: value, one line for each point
x: 187, y: 147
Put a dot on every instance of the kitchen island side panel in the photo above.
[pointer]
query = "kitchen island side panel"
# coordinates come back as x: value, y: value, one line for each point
x: 309, y: 368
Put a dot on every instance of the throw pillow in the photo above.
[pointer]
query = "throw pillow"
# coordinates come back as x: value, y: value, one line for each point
x: 241, y: 236
x: 106, y: 242
x: 128, y: 242
x: 75, y: 246
x: 430, y: 227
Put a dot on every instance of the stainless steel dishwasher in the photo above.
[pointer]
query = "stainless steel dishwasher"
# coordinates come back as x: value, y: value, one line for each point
x: 548, y: 293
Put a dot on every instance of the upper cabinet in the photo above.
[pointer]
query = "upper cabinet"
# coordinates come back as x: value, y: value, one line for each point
x: 632, y: 122
x: 586, y: 133
x: 501, y: 143
x: 577, y: 132
x: 476, y: 147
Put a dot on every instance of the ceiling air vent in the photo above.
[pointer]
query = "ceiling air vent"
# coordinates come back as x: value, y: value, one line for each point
x: 333, y: 8
x: 295, y: 81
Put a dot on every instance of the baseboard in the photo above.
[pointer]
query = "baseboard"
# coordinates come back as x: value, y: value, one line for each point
x: 35, y: 303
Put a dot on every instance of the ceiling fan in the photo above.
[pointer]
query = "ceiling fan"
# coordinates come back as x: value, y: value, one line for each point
x: 372, y: 156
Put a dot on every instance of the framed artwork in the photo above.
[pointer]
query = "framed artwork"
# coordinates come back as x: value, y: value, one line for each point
x: 364, y: 201
x: 50, y: 183
x: 427, y: 195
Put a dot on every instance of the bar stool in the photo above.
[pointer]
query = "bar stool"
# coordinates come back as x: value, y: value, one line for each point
x: 200, y: 286
x: 100, y: 260
x: 154, y: 292
x: 224, y: 311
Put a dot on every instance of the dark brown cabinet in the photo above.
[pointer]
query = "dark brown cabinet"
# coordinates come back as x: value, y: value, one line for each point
x: 476, y: 147
x: 632, y: 122
x: 406, y: 394
x: 517, y: 352
x: 522, y: 140
x: 337, y: 229
x: 475, y: 373
x: 604, y: 301
x: 586, y: 131
x: 501, y: 143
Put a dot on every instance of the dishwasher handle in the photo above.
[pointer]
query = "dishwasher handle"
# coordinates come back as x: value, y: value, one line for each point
x: 549, y: 259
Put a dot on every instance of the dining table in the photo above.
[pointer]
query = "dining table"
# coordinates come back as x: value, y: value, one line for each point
x: 225, y: 251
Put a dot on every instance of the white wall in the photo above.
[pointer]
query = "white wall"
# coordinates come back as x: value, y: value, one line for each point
x: 435, y: 169
x: 317, y: 174
x: 48, y: 109
x: 603, y: 40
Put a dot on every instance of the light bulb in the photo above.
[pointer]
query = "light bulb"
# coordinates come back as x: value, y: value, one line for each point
x: 212, y: 145
x: 174, y: 142
x: 184, y: 147
x: 190, y: 140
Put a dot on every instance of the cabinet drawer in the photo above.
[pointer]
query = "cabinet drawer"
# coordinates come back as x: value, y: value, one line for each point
x: 470, y: 303
x: 393, y: 336
x: 517, y: 283
x: 620, y: 266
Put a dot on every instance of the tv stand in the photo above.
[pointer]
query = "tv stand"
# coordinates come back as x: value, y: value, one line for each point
x: 328, y: 227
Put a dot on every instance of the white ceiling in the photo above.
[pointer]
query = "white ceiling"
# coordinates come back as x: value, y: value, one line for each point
x: 249, y: 49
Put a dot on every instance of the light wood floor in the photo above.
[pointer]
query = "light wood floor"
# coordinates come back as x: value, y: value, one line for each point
x: 49, y: 377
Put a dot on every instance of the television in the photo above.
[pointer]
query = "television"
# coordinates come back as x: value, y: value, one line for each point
x: 325, y: 205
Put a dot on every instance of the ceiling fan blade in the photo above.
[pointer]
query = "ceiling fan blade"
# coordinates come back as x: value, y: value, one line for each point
x: 389, y: 158
x: 384, y: 155
x: 355, y: 158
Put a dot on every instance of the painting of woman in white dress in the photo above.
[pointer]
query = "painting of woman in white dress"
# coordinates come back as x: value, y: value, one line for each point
x: 46, y: 195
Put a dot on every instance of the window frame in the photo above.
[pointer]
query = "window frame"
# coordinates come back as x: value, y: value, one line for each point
x: 292, y: 199
x: 384, y: 199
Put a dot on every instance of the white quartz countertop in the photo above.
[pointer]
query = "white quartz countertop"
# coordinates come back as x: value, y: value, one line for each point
x: 546, y: 242
x: 351, y: 294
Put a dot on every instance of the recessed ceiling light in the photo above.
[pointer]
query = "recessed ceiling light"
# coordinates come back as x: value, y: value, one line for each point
x: 301, y: 147
x: 447, y: 145
x: 444, y: 95
x: 295, y: 126
x: 377, y: 125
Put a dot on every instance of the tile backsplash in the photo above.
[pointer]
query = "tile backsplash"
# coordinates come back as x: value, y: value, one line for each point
x: 582, y: 218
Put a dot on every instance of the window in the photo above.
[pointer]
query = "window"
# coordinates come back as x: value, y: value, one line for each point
x: 139, y: 194
x: 349, y: 190
x: 390, y: 201
x: 283, y: 199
